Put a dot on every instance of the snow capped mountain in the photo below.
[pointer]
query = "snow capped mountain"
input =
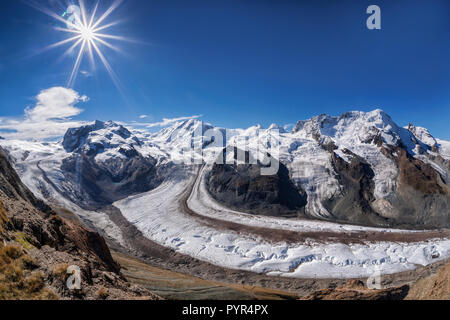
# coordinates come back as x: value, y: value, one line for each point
x: 106, y: 138
x: 330, y: 158
x: 93, y: 165
x: 355, y: 128
x: 349, y: 163
x: 359, y: 171
x: 423, y: 136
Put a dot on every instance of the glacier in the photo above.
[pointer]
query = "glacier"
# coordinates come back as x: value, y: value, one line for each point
x: 157, y: 213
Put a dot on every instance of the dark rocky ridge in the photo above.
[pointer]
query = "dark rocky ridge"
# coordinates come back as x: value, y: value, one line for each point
x: 242, y: 186
x: 94, y: 185
x: 422, y: 198
x: 353, y: 205
x: 13, y: 187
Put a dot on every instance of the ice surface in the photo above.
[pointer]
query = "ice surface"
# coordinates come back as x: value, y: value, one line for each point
x: 156, y: 214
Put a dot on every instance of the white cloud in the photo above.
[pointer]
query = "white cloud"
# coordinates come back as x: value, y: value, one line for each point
x: 49, y: 118
x: 55, y: 103
x: 166, y: 122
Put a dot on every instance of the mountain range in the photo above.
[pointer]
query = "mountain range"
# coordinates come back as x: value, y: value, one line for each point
x: 359, y: 168
x: 350, y: 194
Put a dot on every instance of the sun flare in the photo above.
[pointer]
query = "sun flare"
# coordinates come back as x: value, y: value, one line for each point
x: 87, y: 34
x: 85, y: 31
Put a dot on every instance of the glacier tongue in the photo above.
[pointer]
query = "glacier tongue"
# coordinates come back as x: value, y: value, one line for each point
x: 156, y: 214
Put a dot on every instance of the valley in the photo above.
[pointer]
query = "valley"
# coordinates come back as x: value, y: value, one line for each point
x: 355, y: 196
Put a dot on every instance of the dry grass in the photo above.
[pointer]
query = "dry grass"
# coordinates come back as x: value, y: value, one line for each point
x: 3, y: 217
x: 17, y: 280
x: 60, y: 271
x: 102, y: 294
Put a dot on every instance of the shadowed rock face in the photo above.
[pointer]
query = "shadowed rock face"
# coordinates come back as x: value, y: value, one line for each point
x: 422, y: 198
x: 96, y: 184
x: 353, y: 204
x: 242, y: 186
x: 13, y: 187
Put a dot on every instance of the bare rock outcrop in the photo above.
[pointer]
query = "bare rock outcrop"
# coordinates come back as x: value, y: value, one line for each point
x: 242, y: 186
x: 46, y: 249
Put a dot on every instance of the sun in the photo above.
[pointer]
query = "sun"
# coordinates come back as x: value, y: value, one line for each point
x: 85, y: 31
x: 87, y: 34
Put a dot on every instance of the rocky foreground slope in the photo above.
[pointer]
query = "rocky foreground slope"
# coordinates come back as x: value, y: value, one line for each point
x: 38, y: 250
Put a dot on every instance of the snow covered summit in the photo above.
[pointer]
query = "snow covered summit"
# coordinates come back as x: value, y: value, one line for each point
x: 100, y: 137
x: 358, y: 167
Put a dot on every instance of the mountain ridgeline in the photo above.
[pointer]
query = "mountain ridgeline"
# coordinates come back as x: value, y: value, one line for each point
x: 359, y: 168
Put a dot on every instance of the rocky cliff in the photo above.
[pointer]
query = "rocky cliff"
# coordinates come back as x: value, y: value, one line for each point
x: 38, y: 250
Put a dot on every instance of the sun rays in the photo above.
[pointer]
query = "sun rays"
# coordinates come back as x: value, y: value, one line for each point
x: 83, y: 31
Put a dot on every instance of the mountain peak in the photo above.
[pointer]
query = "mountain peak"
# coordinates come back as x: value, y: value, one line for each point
x: 422, y: 134
x: 377, y: 117
x: 97, y: 136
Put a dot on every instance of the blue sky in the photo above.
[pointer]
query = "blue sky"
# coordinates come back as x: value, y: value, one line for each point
x: 241, y: 63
